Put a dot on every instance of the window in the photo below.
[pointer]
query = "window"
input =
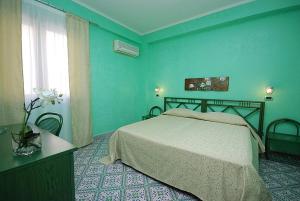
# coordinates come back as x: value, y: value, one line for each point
x: 44, y: 48
x: 45, y: 56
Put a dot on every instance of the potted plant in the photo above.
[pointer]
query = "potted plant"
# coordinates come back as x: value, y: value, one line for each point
x: 27, y: 140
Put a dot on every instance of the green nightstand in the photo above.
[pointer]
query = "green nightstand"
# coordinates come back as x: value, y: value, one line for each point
x: 287, y: 143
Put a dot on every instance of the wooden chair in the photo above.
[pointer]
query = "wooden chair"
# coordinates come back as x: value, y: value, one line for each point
x: 51, y: 122
x: 272, y: 134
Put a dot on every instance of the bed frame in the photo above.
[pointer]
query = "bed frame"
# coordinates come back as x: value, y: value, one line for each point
x: 245, y: 109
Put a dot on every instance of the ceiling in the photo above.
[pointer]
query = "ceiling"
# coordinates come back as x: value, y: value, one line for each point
x: 146, y: 16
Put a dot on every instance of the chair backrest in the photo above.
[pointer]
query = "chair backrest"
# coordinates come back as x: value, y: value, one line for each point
x: 51, y: 122
x: 273, y: 125
x: 151, y: 112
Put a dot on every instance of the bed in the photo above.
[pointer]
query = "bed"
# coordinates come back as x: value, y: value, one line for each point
x: 212, y: 155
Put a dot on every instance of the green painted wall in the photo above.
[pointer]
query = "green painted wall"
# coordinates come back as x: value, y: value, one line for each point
x: 254, y: 52
x: 117, y: 84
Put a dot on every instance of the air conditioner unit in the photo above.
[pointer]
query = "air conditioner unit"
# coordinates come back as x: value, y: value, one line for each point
x: 125, y: 48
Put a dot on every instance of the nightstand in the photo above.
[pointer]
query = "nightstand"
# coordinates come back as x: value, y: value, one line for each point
x: 283, y: 140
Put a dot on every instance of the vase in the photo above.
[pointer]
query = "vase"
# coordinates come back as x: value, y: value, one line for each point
x: 25, y: 144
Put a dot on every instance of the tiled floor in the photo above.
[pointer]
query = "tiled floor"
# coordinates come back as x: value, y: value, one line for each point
x: 95, y: 181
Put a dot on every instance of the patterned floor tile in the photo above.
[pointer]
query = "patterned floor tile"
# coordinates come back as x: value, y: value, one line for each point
x: 129, y: 169
x: 88, y: 152
x: 101, y: 152
x: 92, y: 146
x: 182, y: 196
x: 283, y: 179
x: 76, y: 181
x: 296, y: 189
x: 285, y: 159
x: 114, y: 195
x: 134, y: 179
x: 160, y: 193
x: 270, y: 183
x: 89, y: 183
x: 94, y: 169
x: 96, y: 159
x: 114, y: 168
x: 151, y: 181
x: 85, y: 195
x: 294, y: 174
x: 78, y: 169
x: 112, y: 181
x: 285, y: 195
x: 135, y: 194
x: 285, y: 168
x: 82, y: 160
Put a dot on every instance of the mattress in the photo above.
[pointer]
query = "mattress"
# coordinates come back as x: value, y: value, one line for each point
x: 209, y: 158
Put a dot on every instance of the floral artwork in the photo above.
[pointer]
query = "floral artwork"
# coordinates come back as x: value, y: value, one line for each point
x: 207, y: 84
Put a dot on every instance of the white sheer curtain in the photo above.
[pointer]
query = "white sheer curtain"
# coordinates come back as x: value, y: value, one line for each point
x: 45, y: 58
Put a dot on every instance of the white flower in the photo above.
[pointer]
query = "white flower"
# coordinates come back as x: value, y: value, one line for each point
x: 47, y: 97
x: 222, y: 79
x: 208, y: 82
x: 202, y: 84
x: 191, y: 85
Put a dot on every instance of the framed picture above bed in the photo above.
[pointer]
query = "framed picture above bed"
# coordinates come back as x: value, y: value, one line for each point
x: 207, y: 84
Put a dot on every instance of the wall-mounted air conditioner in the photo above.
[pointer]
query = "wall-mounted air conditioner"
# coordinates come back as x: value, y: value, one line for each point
x: 125, y: 48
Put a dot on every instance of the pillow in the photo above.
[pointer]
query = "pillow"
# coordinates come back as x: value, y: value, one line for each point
x: 181, y: 112
x: 222, y: 118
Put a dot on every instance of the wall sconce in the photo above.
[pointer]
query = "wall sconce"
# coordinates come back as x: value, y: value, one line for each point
x: 269, y: 92
x: 157, y: 90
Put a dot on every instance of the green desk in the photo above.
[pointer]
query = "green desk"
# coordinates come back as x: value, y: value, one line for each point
x: 47, y: 175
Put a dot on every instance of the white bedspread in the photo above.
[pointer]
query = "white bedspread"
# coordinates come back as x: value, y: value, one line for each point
x: 211, y: 160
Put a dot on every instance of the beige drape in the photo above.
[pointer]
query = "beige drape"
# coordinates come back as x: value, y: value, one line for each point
x: 11, y: 75
x: 79, y: 78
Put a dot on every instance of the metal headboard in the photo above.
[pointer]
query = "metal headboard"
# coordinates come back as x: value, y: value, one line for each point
x: 205, y: 105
